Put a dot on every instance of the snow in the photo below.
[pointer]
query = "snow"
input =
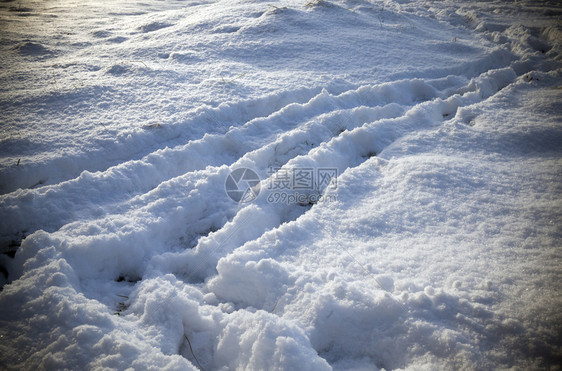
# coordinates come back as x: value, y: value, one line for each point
x: 437, y: 247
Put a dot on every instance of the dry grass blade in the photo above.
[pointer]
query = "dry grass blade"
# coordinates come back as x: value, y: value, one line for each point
x: 193, y: 354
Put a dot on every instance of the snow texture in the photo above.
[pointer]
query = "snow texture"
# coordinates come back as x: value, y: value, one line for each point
x: 439, y: 248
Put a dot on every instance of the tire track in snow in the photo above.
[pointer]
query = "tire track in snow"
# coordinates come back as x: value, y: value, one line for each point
x: 184, y: 192
x: 346, y: 151
x: 197, y: 203
x: 108, y: 190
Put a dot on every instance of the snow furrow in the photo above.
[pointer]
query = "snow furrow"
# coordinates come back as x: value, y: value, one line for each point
x: 347, y: 151
x: 115, y: 147
x: 352, y: 109
x: 121, y: 182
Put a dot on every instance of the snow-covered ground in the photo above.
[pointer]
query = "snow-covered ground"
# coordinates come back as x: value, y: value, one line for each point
x: 437, y: 245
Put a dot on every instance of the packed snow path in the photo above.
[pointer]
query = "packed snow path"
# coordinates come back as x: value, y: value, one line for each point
x: 439, y: 248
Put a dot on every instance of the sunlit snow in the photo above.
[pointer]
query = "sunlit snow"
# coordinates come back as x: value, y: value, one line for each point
x: 407, y: 213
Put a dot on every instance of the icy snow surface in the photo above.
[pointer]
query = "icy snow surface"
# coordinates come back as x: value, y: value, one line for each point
x: 438, y: 248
